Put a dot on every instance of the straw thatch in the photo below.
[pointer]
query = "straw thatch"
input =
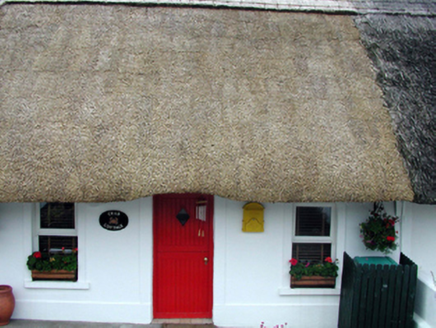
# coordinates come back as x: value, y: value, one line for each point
x: 403, y: 49
x: 104, y: 103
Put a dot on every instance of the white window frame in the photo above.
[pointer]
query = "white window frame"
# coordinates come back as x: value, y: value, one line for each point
x: 31, y: 233
x: 316, y: 239
x: 38, y: 231
x: 337, y: 228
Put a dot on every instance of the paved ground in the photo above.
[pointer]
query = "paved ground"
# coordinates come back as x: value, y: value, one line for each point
x: 67, y: 324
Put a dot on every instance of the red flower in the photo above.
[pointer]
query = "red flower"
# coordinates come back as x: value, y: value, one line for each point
x: 392, y: 222
x: 390, y: 238
x: 37, y: 255
x: 293, y: 261
x: 328, y: 259
x: 63, y: 248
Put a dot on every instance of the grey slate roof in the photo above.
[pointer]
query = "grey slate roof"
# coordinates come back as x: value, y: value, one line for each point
x: 403, y: 49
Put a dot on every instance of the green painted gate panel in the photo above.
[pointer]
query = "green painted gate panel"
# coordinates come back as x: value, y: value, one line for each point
x: 377, y: 293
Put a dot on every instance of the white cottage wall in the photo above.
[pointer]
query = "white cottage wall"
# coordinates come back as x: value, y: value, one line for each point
x: 419, y: 242
x: 115, y: 267
x: 251, y: 269
x: 251, y: 280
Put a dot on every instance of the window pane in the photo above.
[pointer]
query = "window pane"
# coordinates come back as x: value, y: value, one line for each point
x: 57, y: 215
x: 313, y: 221
x: 311, y: 252
x: 53, y: 244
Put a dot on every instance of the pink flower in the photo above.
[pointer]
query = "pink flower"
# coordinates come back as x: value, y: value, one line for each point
x: 307, y: 264
x: 293, y: 261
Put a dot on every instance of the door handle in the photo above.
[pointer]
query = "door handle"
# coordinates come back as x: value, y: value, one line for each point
x: 205, y: 260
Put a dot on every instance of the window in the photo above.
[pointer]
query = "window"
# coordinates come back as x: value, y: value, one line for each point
x: 310, y: 235
x: 312, y: 240
x: 55, y: 230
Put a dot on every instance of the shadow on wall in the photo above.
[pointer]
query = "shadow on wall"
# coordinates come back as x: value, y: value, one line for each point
x: 425, y: 304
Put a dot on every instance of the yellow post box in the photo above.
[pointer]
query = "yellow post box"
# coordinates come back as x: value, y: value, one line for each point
x: 252, y: 220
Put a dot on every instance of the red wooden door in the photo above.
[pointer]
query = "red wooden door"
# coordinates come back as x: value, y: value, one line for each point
x: 183, y: 257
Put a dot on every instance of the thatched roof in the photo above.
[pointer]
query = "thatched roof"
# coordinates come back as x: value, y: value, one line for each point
x: 103, y: 103
x: 403, y: 48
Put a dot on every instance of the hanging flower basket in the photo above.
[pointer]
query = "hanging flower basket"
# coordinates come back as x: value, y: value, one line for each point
x: 378, y: 231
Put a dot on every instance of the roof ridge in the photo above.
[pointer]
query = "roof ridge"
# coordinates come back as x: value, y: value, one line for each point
x: 406, y: 7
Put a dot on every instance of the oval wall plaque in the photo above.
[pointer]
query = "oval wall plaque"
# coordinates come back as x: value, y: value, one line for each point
x: 114, y: 220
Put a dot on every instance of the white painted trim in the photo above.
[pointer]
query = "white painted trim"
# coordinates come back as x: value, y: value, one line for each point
x: 28, y: 283
x: 310, y: 291
x: 420, y: 322
x: 427, y: 280
x: 52, y: 232
x: 220, y: 251
x: 288, y: 232
x: 28, y: 234
x: 405, y: 228
x: 89, y: 311
x: 143, y: 246
x: 81, y: 216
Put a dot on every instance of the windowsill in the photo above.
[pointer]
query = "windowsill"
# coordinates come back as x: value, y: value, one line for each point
x: 287, y: 291
x: 56, y: 284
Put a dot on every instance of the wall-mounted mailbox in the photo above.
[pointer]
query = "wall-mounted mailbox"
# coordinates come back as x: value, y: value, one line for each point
x: 252, y: 220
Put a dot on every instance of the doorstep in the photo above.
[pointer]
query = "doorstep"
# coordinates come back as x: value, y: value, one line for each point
x: 183, y: 323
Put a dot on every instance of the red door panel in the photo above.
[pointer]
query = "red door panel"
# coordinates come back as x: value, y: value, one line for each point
x: 183, y: 258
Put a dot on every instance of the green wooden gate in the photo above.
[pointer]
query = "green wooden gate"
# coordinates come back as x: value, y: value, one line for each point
x: 377, y: 296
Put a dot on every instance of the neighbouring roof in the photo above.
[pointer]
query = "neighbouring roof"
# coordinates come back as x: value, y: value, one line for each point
x: 403, y: 49
x: 113, y: 102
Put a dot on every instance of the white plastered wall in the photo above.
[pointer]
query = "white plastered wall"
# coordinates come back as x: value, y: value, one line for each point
x: 251, y: 280
x: 418, y: 241
x: 251, y: 269
x: 115, y: 268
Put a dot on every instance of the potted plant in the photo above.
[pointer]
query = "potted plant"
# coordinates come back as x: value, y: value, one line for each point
x: 313, y: 274
x: 7, y: 304
x: 378, y: 231
x: 58, y: 266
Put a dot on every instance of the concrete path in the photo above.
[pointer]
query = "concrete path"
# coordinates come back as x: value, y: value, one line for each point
x: 69, y: 324
x: 78, y: 324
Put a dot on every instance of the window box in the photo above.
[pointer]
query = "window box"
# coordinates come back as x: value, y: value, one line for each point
x: 313, y: 282
x: 54, y: 275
